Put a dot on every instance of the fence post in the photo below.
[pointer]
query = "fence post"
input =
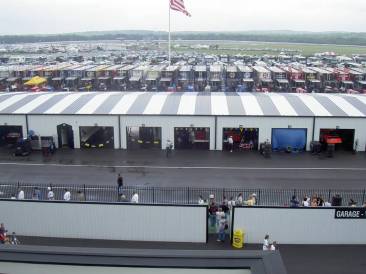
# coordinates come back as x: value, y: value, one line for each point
x: 259, y: 197
x: 188, y: 196
x: 153, y: 194
x: 329, y: 193
x: 364, y: 196
x: 84, y: 192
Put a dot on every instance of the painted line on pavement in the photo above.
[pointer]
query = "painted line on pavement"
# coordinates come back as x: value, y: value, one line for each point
x: 184, y: 167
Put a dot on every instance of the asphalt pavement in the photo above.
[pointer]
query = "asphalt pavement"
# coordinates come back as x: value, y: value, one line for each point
x: 187, y: 168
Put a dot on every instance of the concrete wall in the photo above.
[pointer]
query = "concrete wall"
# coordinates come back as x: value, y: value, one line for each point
x: 298, y: 226
x: 105, y: 221
x: 167, y: 123
x: 46, y: 125
x: 265, y: 125
x: 358, y: 124
x: 14, y: 120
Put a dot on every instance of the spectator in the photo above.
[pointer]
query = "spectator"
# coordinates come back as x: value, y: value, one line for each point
x: 119, y: 180
x: 211, y: 198
x: 14, y: 240
x: 80, y: 196
x: 36, y: 194
x: 67, y: 195
x: 251, y: 200
x: 306, y: 202
x: 21, y: 195
x: 225, y: 206
x: 231, y: 203
x: 294, y: 201
x: 337, y: 200
x: 2, y: 229
x: 230, y: 143
x: 314, y: 202
x: 352, y: 203
x: 50, y: 194
x: 201, y: 201
x: 320, y: 201
x: 2, y: 238
x: 221, y: 230
x: 273, y: 246
x: 135, y: 198
x: 266, y: 243
x: 169, y: 147
x: 220, y: 214
x: 13, y: 196
x: 212, y: 209
x: 239, y: 199
x: 327, y: 204
x: 124, y: 199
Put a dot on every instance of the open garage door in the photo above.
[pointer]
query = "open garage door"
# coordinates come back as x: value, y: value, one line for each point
x: 65, y: 136
x: 96, y: 137
x: 9, y: 135
x: 244, y: 138
x: 192, y: 138
x: 143, y: 137
x: 342, y: 138
x: 289, y: 139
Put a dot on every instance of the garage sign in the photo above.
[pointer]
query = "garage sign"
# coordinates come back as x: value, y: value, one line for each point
x: 350, y: 213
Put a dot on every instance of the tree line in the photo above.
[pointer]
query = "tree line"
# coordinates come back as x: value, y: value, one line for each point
x: 336, y: 38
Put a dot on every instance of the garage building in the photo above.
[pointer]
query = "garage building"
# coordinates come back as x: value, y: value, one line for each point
x: 190, y: 120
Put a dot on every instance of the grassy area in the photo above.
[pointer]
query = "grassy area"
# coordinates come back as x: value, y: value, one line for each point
x: 233, y: 48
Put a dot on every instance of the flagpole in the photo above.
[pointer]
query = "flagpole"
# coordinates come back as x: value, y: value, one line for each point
x: 169, y: 43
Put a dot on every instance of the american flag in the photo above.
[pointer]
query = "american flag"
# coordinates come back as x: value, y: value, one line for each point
x: 178, y: 5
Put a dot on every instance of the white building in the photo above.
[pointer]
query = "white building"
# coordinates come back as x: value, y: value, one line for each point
x: 191, y: 120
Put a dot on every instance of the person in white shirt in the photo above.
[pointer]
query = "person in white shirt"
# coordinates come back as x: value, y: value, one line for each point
x: 201, y: 201
x: 67, y: 195
x: 306, y: 202
x: 266, y: 243
x: 50, y: 194
x: 21, y: 194
x: 239, y: 199
x: 230, y: 141
x: 135, y: 198
x: 273, y: 246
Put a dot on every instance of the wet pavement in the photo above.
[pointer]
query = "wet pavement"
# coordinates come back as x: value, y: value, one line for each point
x: 187, y: 168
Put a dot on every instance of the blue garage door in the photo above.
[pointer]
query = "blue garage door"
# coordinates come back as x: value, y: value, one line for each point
x: 295, y: 138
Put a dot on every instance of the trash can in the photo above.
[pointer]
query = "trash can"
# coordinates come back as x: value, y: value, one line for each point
x: 238, y: 238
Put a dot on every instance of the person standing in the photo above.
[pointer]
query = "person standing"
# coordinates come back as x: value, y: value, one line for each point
x: 119, y: 187
x: 50, y: 194
x: 212, y: 209
x: 221, y: 230
x: 135, y: 198
x: 14, y: 240
x: 21, y: 195
x: 201, y: 201
x: 230, y: 141
x: 67, y: 195
x: 273, y: 246
x: 169, y: 147
x: 36, y: 194
x: 266, y: 243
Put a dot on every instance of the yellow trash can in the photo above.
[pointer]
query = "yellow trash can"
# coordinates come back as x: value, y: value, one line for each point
x: 238, y: 238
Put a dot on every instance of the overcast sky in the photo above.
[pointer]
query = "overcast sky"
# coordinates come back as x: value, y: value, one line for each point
x: 57, y: 16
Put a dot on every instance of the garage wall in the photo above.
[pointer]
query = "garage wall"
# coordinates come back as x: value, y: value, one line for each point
x: 46, y: 125
x: 14, y: 120
x: 106, y: 221
x: 359, y: 124
x: 265, y: 125
x: 298, y: 226
x: 167, y: 124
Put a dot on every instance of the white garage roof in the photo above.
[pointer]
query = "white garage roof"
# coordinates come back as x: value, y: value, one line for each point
x: 184, y: 103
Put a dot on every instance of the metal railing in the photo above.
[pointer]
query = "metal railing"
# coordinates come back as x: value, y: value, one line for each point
x: 178, y: 195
